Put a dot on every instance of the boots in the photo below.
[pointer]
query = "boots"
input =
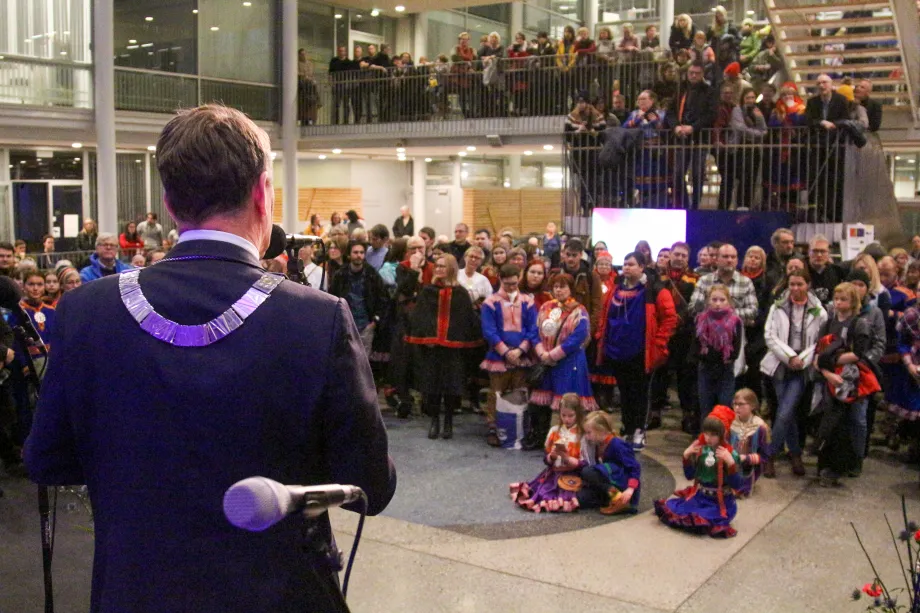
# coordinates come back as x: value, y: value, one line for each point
x: 434, y: 410
x: 769, y: 469
x: 531, y: 439
x: 448, y: 423
x: 798, y: 468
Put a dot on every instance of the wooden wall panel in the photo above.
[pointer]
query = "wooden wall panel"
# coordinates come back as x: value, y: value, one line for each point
x: 523, y: 210
x: 321, y: 200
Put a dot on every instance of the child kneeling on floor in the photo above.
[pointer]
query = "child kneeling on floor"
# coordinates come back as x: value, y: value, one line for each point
x: 613, y: 482
x: 567, y: 452
x: 708, y: 506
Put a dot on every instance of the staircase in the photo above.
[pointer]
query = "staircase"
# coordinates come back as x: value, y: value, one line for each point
x: 861, y: 40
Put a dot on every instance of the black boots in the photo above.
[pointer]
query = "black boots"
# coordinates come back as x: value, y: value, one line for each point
x: 448, y: 423
x: 540, y: 420
x: 435, y: 428
x: 451, y: 406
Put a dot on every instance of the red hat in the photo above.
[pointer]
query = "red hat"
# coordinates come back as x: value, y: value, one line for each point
x: 726, y: 416
x: 733, y: 69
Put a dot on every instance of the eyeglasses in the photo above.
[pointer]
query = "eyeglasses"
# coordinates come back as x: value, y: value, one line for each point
x: 109, y: 245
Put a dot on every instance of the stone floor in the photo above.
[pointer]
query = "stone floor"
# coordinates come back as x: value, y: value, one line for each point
x: 451, y: 540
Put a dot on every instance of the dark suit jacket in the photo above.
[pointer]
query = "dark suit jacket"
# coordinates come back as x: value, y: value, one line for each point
x: 836, y: 110
x: 158, y: 433
x: 874, y: 113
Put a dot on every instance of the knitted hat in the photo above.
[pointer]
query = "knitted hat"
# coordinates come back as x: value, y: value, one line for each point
x: 604, y: 255
x: 747, y: 22
x: 858, y: 274
x: 723, y: 414
x: 733, y: 69
x: 65, y: 272
x: 846, y: 91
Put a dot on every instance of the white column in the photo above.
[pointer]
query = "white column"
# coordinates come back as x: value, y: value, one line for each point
x: 456, y: 198
x: 404, y: 38
x: 514, y: 171
x: 87, y: 205
x: 419, y: 192
x: 592, y: 8
x: 104, y: 78
x: 517, y: 18
x: 289, y: 129
x: 420, y: 36
x: 147, y: 182
x: 666, y: 11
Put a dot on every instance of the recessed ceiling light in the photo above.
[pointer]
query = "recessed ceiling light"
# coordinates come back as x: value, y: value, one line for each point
x: 528, y: 153
x: 751, y: 13
x: 400, y: 150
x: 374, y: 13
x: 897, y: 157
x: 358, y: 16
x: 148, y: 18
x: 399, y: 8
x: 214, y: 28
x: 76, y: 145
x: 76, y: 159
x: 247, y: 4
x: 132, y: 42
x: 152, y: 148
x: 146, y: 45
x: 22, y: 161
x: 194, y: 11
x: 547, y: 147
x: 563, y: 8
x: 338, y: 15
x: 336, y: 151
x: 63, y: 53
x: 150, y: 53
x: 322, y: 157
x: 462, y: 154
x: 138, y: 161
x: 471, y: 148
x: 427, y: 160
x: 133, y: 46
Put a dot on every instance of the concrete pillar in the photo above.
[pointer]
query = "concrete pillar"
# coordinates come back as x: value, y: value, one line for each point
x: 404, y: 39
x: 517, y: 19
x: 104, y: 85
x: 592, y: 8
x: 419, y: 192
x: 514, y: 171
x: 420, y: 36
x: 666, y: 13
x: 289, y: 129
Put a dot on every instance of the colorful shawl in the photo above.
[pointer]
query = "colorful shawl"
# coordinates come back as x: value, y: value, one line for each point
x: 716, y: 331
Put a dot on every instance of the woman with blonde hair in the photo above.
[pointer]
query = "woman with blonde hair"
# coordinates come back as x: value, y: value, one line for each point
x: 877, y: 295
x: 681, y: 33
x: 443, y: 327
x: 903, y: 260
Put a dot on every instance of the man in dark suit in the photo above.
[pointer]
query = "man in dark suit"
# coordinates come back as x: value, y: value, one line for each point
x: 253, y: 375
x: 822, y: 111
x: 692, y: 116
x: 873, y: 108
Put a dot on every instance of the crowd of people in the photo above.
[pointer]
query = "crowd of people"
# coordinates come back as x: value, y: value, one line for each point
x: 784, y: 346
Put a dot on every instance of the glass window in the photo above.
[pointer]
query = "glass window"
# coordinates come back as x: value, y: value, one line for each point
x: 131, y: 187
x: 531, y: 175
x: 444, y: 26
x: 316, y: 33
x: 500, y: 13
x: 362, y: 21
x: 237, y: 40
x: 28, y: 166
x: 156, y: 36
x: 482, y: 174
x: 439, y: 173
x: 552, y: 176
x: 905, y: 175
x: 51, y: 29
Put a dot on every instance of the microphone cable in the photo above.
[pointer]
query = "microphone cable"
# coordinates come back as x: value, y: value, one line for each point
x: 354, y: 546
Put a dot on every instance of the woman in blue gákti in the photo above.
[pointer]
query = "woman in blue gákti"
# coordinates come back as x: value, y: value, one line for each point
x: 649, y: 165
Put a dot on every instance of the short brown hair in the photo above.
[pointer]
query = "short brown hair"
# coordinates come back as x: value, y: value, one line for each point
x: 562, y: 278
x: 209, y: 159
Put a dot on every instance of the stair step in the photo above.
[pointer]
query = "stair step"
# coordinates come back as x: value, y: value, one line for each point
x: 837, y: 23
x: 851, y: 68
x: 847, y: 38
x: 827, y: 8
x: 850, y: 53
x: 875, y: 82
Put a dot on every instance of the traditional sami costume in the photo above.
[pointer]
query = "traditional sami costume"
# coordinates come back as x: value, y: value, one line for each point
x: 708, y: 506
x: 564, y: 334
x: 902, y: 391
x: 556, y: 488
x: 752, y: 440
x: 616, y: 469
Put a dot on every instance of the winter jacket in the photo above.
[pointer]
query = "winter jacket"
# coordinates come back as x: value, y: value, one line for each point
x: 94, y: 270
x: 776, y: 333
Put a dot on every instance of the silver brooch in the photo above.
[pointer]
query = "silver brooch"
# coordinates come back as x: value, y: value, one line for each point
x: 199, y: 335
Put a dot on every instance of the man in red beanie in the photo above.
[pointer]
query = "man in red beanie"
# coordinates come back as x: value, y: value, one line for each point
x: 732, y: 77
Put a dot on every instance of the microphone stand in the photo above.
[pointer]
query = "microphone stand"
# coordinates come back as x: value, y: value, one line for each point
x: 295, y: 268
x: 46, y: 520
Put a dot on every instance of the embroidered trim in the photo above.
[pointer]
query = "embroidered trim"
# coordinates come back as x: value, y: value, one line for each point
x: 200, y: 335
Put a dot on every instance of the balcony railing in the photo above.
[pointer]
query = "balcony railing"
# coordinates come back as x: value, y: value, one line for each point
x: 509, y: 92
x: 38, y: 82
x: 811, y: 174
x: 165, y: 92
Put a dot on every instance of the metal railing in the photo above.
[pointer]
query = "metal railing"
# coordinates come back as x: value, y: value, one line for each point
x: 165, y: 92
x: 78, y: 259
x: 38, y: 82
x: 647, y: 164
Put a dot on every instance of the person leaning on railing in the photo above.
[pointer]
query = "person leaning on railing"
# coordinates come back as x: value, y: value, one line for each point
x: 681, y: 33
x: 649, y: 169
x: 464, y: 83
x: 518, y: 75
x: 545, y: 79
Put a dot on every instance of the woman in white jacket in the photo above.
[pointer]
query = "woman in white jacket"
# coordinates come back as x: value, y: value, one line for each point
x: 791, y: 334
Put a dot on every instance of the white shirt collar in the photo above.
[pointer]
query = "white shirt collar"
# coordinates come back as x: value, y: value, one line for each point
x: 217, y: 235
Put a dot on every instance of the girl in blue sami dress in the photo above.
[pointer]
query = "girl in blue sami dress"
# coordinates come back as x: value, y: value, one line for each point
x: 708, y: 506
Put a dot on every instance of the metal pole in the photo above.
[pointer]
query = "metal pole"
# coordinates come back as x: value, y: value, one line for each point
x: 104, y: 81
x: 289, y: 130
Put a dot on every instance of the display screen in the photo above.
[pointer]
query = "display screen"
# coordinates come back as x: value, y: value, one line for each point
x: 621, y: 229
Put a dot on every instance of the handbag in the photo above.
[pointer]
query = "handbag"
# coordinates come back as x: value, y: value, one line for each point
x: 538, y: 372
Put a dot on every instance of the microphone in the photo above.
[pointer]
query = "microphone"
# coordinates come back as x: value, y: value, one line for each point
x: 281, y: 242
x: 10, y: 295
x: 257, y: 503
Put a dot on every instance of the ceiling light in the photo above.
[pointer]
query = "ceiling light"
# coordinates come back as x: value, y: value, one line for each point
x: 427, y: 160
x: 146, y: 45
x: 563, y: 8
x: 76, y: 145
x: 400, y: 150
x: 338, y: 15
x: 547, y: 147
x: 471, y: 148
x: 322, y: 157
x: 150, y: 53
x: 399, y: 8
x: 751, y: 13
x: 247, y: 4
x: 138, y: 161
x: 194, y: 11
x: 214, y: 28
x: 528, y: 153
x: 76, y: 159
x: 132, y: 42
x: 897, y: 157
x: 152, y: 148
x: 358, y: 16
x: 63, y: 53
x: 148, y: 18
x: 374, y: 13
x: 22, y: 161
x: 336, y: 151
x: 133, y: 46
x: 462, y: 154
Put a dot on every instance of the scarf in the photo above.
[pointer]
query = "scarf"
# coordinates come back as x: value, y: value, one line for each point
x: 752, y: 275
x: 716, y: 330
x: 744, y: 430
x: 909, y: 330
